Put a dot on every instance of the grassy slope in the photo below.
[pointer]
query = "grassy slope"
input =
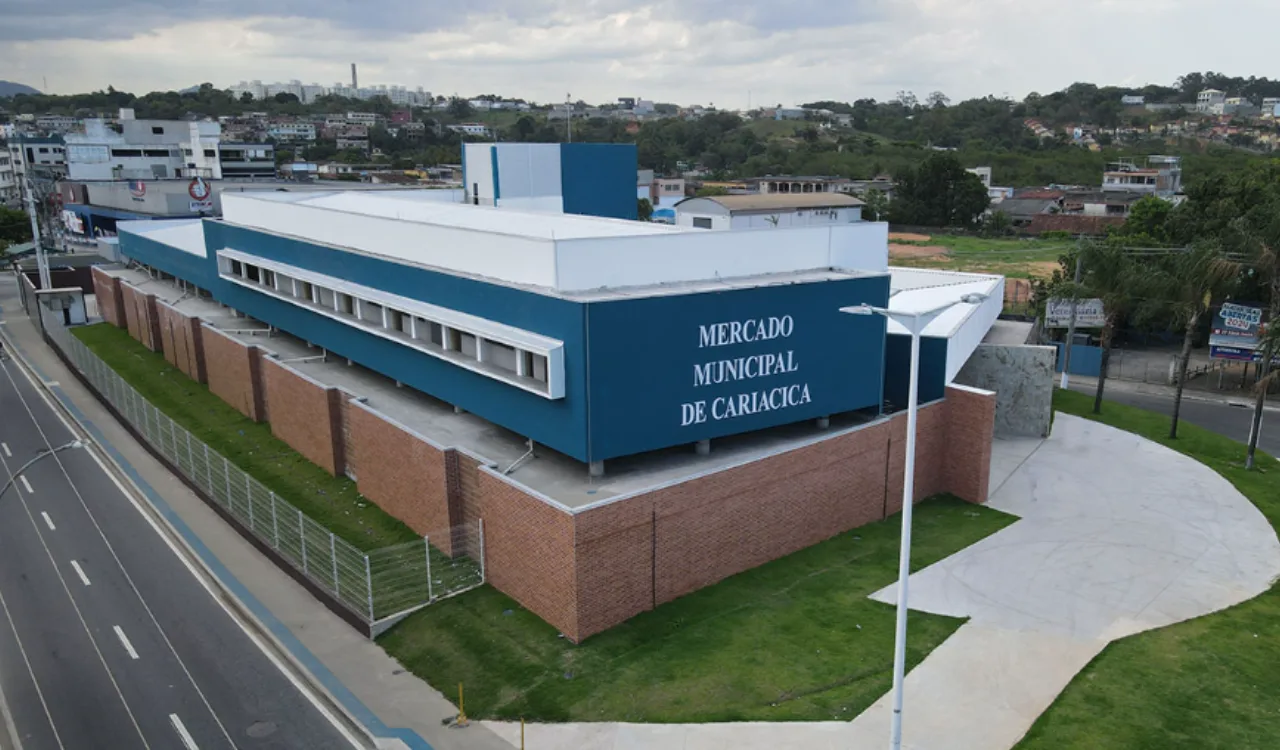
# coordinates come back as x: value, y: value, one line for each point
x: 332, y: 501
x: 1211, y: 682
x: 795, y: 639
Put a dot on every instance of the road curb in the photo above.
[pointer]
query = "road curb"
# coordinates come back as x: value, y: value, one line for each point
x: 322, y: 689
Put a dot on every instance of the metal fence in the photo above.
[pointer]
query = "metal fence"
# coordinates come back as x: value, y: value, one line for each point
x: 377, y: 585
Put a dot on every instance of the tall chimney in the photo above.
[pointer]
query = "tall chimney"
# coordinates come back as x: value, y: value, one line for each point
x: 354, y: 84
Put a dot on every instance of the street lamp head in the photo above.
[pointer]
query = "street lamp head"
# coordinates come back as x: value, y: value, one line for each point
x: 974, y: 298
x: 858, y: 310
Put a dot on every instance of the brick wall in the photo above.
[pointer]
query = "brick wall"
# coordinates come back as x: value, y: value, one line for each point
x: 971, y: 419
x: 233, y: 372
x: 140, y: 315
x: 180, y: 337
x: 110, y: 304
x: 305, y: 414
x: 529, y: 553
x: 404, y: 474
x: 351, y: 464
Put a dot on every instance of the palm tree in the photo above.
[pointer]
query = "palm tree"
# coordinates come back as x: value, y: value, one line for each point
x: 1188, y: 281
x: 1112, y: 275
x: 1270, y: 347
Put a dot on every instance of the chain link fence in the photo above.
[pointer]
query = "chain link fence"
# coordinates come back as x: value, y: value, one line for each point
x: 379, y: 586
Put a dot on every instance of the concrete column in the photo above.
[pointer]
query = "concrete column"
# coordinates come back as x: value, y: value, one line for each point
x: 703, y: 447
x: 595, y: 469
x: 824, y: 422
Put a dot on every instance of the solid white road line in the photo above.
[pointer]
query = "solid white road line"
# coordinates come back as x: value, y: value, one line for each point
x: 48, y: 521
x: 5, y: 448
x: 25, y: 484
x: 80, y: 572
x: 34, y: 681
x: 183, y: 734
x: 124, y: 641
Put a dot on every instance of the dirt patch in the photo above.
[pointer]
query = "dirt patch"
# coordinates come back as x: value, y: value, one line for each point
x: 1043, y: 269
x: 916, y: 251
x: 908, y: 237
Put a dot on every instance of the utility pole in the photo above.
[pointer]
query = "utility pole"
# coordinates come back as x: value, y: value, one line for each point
x: 1071, y: 327
x: 42, y: 262
x: 568, y: 115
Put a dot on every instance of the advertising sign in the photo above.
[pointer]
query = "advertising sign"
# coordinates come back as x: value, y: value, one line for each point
x: 1089, y: 313
x: 137, y: 190
x: 1237, y: 332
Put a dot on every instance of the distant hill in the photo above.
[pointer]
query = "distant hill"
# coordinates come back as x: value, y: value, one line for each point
x: 9, y: 88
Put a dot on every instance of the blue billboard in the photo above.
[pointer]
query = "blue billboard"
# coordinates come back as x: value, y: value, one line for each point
x: 670, y: 370
x: 1237, y: 332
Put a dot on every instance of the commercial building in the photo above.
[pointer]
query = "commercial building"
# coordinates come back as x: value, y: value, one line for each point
x: 293, y: 132
x: 770, y: 211
x: 623, y: 405
x: 1160, y: 175
x: 44, y: 152
x: 790, y: 184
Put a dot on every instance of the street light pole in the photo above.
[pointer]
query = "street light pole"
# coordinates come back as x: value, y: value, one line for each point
x: 915, y: 323
x: 42, y: 453
x: 42, y: 263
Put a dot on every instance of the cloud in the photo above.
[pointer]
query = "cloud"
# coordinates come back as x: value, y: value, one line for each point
x: 671, y: 50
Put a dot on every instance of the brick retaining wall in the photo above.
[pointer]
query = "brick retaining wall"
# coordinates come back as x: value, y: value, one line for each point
x: 140, y: 315
x: 304, y: 414
x: 232, y: 369
x: 110, y: 304
x: 180, y: 338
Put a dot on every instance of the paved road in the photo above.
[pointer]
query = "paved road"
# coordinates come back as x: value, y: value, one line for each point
x: 1224, y: 419
x: 107, y: 639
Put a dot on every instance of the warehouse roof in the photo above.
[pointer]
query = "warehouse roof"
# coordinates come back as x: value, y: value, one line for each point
x: 776, y: 201
x: 424, y: 207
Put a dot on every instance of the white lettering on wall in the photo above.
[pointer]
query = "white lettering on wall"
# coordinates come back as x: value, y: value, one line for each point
x: 750, y: 367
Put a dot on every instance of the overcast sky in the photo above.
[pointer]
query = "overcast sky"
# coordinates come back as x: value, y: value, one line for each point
x: 684, y: 51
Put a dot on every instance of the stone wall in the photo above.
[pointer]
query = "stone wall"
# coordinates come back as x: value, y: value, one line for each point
x: 1022, y: 379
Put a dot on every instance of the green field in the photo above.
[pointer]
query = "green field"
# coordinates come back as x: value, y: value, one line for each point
x: 795, y: 639
x: 1211, y: 682
x: 1013, y: 257
x: 331, y: 501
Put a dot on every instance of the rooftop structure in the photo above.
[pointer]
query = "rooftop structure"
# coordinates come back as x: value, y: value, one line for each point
x: 769, y: 210
x: 1160, y: 175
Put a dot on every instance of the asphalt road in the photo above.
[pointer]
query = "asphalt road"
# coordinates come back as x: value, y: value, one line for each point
x: 1224, y: 419
x: 107, y: 638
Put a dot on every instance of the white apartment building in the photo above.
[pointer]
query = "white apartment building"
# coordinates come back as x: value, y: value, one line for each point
x: 368, y: 119
x: 144, y: 149
x: 293, y: 131
x: 40, y: 151
x: 471, y: 128
x: 8, y: 179
x: 57, y: 123
x: 1209, y: 100
x: 306, y: 93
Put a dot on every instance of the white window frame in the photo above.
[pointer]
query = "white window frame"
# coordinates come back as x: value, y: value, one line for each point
x: 420, y: 317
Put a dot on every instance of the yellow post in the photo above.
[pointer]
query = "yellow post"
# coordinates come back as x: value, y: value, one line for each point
x: 462, y: 709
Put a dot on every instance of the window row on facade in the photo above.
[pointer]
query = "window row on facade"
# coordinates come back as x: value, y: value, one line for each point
x: 521, y: 358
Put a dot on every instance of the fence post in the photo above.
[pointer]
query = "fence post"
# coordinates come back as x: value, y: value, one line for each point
x: 427, y: 548
x: 208, y: 468
x: 248, y: 496
x: 226, y: 476
x: 481, y: 523
x: 302, y: 536
x: 275, y: 523
x: 191, y: 458
x: 368, y: 582
x: 333, y: 555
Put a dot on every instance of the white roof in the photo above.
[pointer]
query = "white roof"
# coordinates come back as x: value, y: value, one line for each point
x: 964, y: 324
x: 186, y: 235
x: 422, y: 207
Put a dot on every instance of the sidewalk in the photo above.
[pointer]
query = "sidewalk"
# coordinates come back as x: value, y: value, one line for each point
x: 1084, y: 382
x: 400, y: 709
x: 1147, y: 537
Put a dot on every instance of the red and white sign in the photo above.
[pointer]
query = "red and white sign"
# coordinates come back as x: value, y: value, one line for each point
x: 199, y: 190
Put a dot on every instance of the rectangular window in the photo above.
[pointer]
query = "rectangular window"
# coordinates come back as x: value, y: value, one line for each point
x: 210, y: 152
x: 325, y: 297
x: 500, y: 355
x: 156, y: 152
x: 304, y: 290
x: 436, y: 335
x: 467, y: 344
x: 125, y: 153
x: 701, y: 222
x: 157, y: 130
x: 251, y: 273
x: 237, y: 268
x: 268, y: 278
x: 345, y: 305
x: 371, y: 312
x: 539, y: 368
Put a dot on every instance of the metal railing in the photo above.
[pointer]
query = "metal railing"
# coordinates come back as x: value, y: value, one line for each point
x: 376, y: 585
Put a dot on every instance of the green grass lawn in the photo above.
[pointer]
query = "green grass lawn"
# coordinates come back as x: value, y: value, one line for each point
x: 331, y: 501
x: 795, y: 639
x: 1014, y: 257
x: 1211, y: 682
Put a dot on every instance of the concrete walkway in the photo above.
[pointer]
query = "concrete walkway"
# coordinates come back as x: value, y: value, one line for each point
x: 1118, y: 535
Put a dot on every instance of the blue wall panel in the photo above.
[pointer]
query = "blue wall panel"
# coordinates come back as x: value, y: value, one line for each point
x: 199, y: 271
x: 897, y: 369
x: 645, y: 356
x: 1085, y: 360
x: 599, y: 179
x: 560, y: 423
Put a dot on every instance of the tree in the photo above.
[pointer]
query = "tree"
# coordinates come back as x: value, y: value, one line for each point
x: 1189, y: 281
x: 877, y: 205
x: 284, y: 97
x: 525, y: 127
x: 644, y: 208
x: 283, y: 157
x: 246, y: 98
x: 1111, y: 275
x: 1147, y: 223
x: 15, y: 226
x: 460, y: 109
x: 938, y: 99
x: 939, y: 193
x: 711, y: 191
